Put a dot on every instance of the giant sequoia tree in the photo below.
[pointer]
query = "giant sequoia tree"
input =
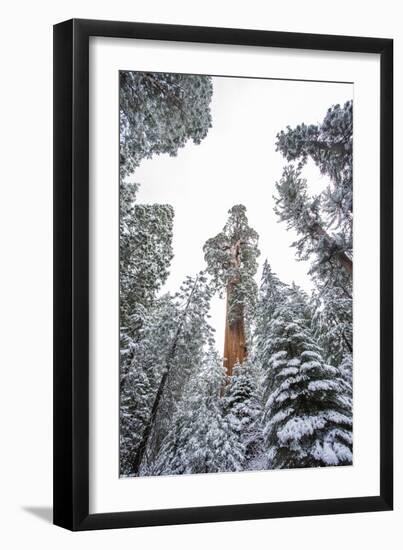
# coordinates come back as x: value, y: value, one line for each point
x: 231, y: 258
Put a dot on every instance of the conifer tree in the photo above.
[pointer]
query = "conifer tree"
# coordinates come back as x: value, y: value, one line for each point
x: 231, y: 258
x: 168, y: 354
x: 332, y: 322
x: 145, y: 251
x: 307, y: 416
x: 191, y: 334
x: 159, y: 113
x: 329, y: 251
x: 141, y: 369
x: 330, y: 146
x: 272, y: 292
x: 201, y: 439
x: 323, y: 223
x: 243, y: 407
x: 346, y: 372
x: 145, y: 256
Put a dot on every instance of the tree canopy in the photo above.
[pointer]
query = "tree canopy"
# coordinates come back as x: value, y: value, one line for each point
x: 231, y: 256
x: 159, y: 113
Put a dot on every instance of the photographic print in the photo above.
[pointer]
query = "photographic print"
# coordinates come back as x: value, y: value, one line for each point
x: 236, y: 264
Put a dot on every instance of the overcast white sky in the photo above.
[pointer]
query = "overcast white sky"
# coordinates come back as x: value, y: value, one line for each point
x: 237, y: 163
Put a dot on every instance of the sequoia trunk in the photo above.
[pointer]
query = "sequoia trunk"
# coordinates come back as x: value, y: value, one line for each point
x: 234, y: 340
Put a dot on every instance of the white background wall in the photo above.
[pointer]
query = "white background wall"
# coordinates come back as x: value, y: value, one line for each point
x: 26, y: 281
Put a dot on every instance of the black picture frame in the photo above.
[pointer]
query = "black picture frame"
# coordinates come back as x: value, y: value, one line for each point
x: 71, y: 274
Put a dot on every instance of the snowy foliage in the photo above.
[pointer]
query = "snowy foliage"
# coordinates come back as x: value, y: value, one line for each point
x: 231, y: 258
x: 329, y: 250
x: 330, y: 146
x: 143, y: 362
x: 192, y: 333
x: 272, y: 293
x: 307, y: 412
x: 201, y: 439
x: 323, y: 223
x: 243, y: 407
x: 170, y: 348
x: 159, y: 113
x: 145, y: 256
x: 332, y: 317
x: 145, y: 251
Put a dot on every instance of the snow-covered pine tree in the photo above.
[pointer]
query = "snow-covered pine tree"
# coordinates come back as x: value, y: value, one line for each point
x: 169, y: 352
x: 329, y: 251
x: 141, y: 368
x: 272, y: 292
x: 145, y: 251
x: 307, y: 412
x: 332, y: 322
x: 231, y: 258
x: 243, y: 408
x: 159, y: 113
x: 192, y: 333
x: 324, y: 228
x: 201, y: 439
x: 323, y: 223
x: 329, y: 247
x: 145, y: 256
x: 330, y: 146
x: 346, y: 371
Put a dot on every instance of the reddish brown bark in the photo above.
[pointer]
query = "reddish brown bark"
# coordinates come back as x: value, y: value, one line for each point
x: 234, y: 341
x: 234, y: 338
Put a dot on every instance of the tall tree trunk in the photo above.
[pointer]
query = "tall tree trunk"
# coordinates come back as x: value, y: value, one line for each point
x: 234, y: 341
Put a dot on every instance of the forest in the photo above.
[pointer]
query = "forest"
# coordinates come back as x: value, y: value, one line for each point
x: 280, y: 392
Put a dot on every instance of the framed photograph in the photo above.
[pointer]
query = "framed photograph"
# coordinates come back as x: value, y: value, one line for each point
x: 216, y: 355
